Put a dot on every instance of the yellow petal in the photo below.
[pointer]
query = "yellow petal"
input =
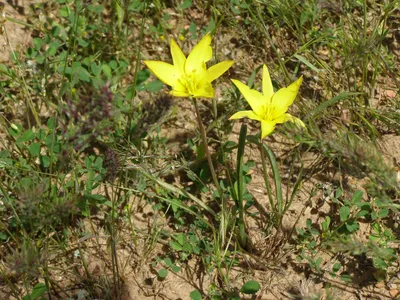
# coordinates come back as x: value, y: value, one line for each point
x: 245, y: 114
x: 267, y: 127
x: 289, y: 118
x: 268, y: 89
x: 283, y: 98
x: 179, y: 93
x: 200, y: 54
x: 178, y: 57
x: 205, y: 90
x: 283, y: 118
x: 167, y: 73
x: 253, y: 97
x: 217, y: 70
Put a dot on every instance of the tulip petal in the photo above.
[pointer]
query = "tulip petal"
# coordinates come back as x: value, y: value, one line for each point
x: 179, y: 93
x: 178, y: 57
x: 205, y: 90
x: 255, y: 99
x: 245, y: 114
x: 268, y: 89
x: 200, y: 54
x: 267, y: 127
x: 289, y: 118
x: 167, y: 73
x: 283, y: 98
x: 217, y: 70
x: 283, y: 118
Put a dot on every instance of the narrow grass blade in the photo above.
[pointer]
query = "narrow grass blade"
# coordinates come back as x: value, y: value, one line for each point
x: 174, y: 189
x: 307, y: 63
x: 277, y: 179
x: 324, y: 105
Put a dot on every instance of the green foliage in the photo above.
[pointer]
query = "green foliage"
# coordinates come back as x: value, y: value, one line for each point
x: 195, y: 295
x: 339, y: 236
x: 250, y: 287
x: 102, y: 173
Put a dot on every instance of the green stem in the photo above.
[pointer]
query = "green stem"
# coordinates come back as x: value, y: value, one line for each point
x: 240, y: 187
x: 265, y: 171
x: 208, y: 155
x: 224, y: 212
x: 137, y: 65
x: 113, y: 244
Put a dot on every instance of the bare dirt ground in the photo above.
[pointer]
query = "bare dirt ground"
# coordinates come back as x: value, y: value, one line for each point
x: 279, y: 280
x: 19, y: 36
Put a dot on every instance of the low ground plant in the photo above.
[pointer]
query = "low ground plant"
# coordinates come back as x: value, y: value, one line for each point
x: 124, y: 168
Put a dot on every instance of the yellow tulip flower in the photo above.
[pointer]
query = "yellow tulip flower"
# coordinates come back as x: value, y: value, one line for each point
x: 269, y: 108
x: 190, y: 76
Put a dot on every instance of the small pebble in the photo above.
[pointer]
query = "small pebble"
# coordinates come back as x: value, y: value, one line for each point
x: 394, y: 292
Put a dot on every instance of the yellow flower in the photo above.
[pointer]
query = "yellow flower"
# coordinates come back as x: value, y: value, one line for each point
x: 269, y: 108
x: 190, y: 76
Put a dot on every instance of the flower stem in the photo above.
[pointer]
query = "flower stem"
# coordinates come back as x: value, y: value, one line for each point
x: 208, y: 155
x: 267, y: 185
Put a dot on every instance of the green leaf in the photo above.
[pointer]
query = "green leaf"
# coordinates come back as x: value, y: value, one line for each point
x: 113, y: 64
x: 40, y: 58
x: 4, y: 153
x: 50, y: 123
x: 175, y: 268
x: 175, y: 246
x: 318, y: 263
x: 38, y: 291
x: 362, y: 213
x: 6, y: 71
x: 142, y: 76
x: 25, y: 183
x: 55, y: 30
x: 338, y: 193
x: 27, y: 136
x: 96, y: 69
x: 195, y: 295
x: 53, y: 47
x: 307, y: 63
x: 162, y: 273
x: 352, y: 226
x: 325, y: 224
x: 120, y: 13
x: 324, y: 105
x: 64, y: 11
x: 185, y: 4
x: 250, y: 287
x: 3, y: 236
x: 37, y: 43
x: 106, y: 70
x: 336, y: 267
x: 181, y: 239
x: 346, y: 277
x: 344, y: 213
x: 34, y: 149
x: 45, y: 161
x: 357, y: 196
x: 95, y: 8
x: 84, y: 75
x: 168, y: 262
x: 383, y: 213
x: 154, y: 86
x: 31, y: 53
x: 82, y: 43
